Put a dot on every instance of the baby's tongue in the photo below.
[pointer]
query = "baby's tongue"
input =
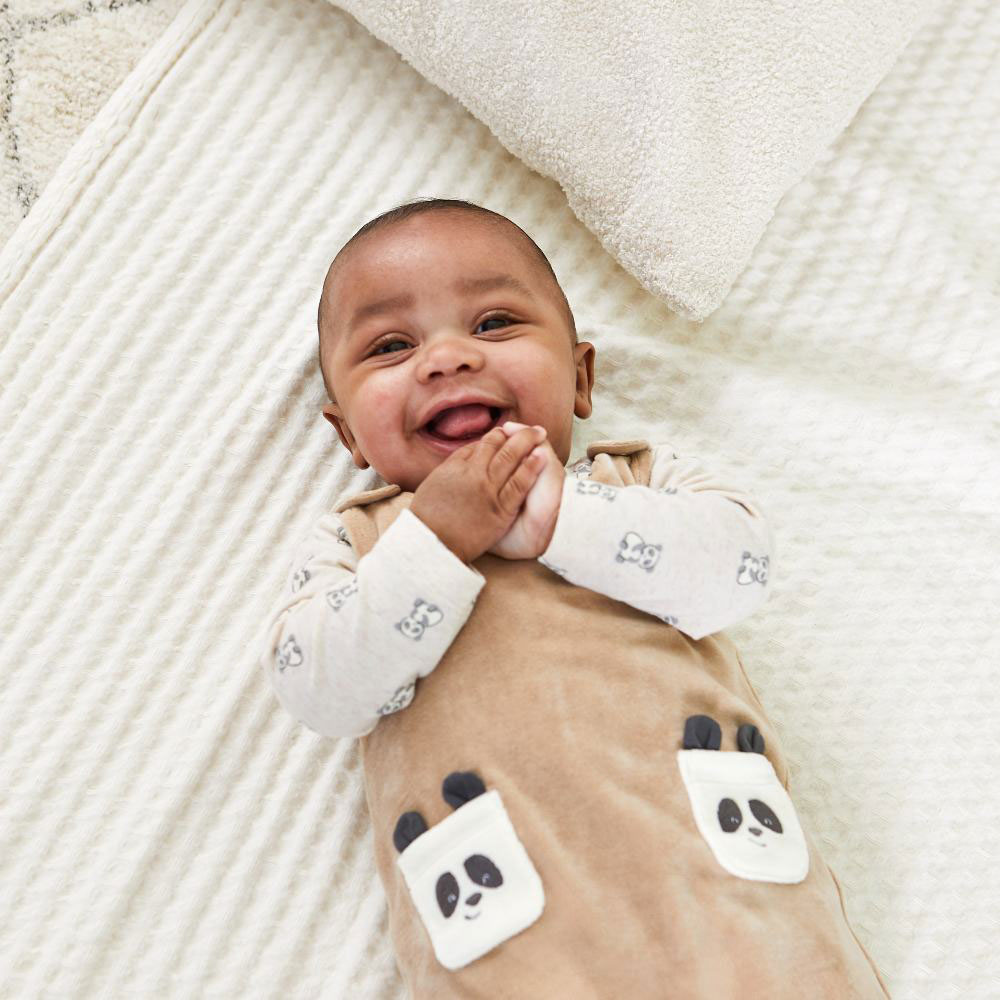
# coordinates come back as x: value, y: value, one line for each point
x: 462, y: 421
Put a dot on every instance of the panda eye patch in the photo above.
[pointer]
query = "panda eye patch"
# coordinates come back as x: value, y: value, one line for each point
x: 447, y: 893
x: 765, y: 814
x: 730, y: 816
x: 482, y: 871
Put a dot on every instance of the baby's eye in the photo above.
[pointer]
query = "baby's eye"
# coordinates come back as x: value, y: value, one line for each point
x: 495, y: 319
x: 380, y: 348
x: 389, y: 343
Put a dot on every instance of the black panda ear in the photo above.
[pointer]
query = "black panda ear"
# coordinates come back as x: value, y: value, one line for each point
x: 749, y: 738
x: 409, y: 826
x: 701, y: 732
x: 460, y: 787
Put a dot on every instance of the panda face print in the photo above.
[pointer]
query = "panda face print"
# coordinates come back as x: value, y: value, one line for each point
x: 337, y: 597
x: 667, y: 489
x: 590, y: 488
x: 632, y: 548
x: 401, y: 697
x: 752, y: 570
x: 288, y: 654
x: 743, y: 812
x: 300, y: 579
x: 342, y: 536
x: 470, y: 878
x: 582, y: 469
x: 422, y: 617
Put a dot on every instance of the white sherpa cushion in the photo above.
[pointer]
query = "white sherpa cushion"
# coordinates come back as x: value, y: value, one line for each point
x: 673, y: 128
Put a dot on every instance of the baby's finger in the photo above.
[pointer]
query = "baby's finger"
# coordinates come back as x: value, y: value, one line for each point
x: 509, y: 460
x: 487, y: 447
x: 511, y: 427
x: 511, y: 495
x: 502, y: 462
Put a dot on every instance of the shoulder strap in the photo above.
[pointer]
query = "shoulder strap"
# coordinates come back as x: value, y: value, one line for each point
x: 364, y: 523
x: 621, y: 463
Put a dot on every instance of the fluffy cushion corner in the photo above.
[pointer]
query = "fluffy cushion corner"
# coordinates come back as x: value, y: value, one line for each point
x: 674, y: 129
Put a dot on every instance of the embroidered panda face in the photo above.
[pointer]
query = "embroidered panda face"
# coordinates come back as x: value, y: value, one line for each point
x: 469, y: 877
x: 479, y: 870
x: 756, y: 818
x: 740, y: 808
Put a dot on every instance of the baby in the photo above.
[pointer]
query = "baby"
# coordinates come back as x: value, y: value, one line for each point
x: 574, y: 790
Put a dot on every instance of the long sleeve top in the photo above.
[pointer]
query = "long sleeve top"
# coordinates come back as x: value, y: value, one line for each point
x: 705, y: 545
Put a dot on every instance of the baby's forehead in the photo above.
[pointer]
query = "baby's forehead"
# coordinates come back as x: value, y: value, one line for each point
x: 491, y: 237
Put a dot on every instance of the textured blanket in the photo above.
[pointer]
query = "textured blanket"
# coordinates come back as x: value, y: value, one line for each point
x: 165, y: 828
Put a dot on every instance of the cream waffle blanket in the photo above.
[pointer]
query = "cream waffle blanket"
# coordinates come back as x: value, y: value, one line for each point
x: 165, y: 828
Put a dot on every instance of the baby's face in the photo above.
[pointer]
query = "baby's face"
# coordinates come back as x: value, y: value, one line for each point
x: 471, y: 317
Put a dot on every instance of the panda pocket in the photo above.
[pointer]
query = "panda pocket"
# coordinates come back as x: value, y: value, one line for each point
x: 741, y: 809
x: 470, y: 878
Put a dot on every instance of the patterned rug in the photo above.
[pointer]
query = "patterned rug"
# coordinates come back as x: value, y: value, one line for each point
x: 61, y: 61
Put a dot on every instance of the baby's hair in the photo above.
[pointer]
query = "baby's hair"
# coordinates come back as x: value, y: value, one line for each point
x: 430, y: 204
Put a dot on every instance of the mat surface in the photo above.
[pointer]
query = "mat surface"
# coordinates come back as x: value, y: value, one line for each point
x: 165, y: 829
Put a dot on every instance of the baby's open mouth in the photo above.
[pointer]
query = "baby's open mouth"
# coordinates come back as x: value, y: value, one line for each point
x: 464, y: 423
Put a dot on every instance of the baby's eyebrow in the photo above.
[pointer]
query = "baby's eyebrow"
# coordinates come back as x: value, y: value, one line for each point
x: 484, y: 283
x: 489, y: 282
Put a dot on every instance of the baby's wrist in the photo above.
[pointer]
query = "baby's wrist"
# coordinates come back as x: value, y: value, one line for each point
x: 549, y: 532
x: 453, y: 545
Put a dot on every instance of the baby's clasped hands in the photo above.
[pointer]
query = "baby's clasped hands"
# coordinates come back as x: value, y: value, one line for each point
x: 499, y: 494
x: 530, y: 534
x: 474, y: 496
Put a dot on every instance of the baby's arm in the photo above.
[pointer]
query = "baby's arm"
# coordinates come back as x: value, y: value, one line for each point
x: 689, y: 548
x: 348, y: 638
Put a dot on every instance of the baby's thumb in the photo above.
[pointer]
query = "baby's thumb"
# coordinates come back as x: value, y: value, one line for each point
x: 546, y: 493
x: 517, y: 489
x: 510, y: 428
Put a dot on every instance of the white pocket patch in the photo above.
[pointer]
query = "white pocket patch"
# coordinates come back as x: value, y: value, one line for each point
x: 469, y: 877
x: 745, y: 815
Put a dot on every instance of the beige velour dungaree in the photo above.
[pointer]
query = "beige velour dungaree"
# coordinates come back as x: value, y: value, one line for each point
x: 573, y: 707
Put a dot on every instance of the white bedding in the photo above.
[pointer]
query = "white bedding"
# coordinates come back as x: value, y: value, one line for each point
x: 165, y: 829
x: 673, y: 128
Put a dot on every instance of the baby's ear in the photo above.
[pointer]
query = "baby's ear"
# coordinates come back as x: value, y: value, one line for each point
x: 333, y: 413
x: 409, y: 826
x: 461, y: 787
x: 702, y: 732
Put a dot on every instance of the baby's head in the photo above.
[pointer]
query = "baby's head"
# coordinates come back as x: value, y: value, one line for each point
x: 477, y: 314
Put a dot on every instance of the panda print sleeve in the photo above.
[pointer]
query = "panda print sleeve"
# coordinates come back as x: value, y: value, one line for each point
x: 350, y: 637
x: 690, y: 548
